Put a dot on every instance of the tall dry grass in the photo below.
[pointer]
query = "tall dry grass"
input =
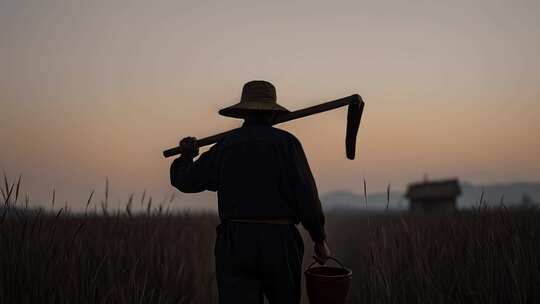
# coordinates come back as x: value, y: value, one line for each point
x: 116, y: 259
x: 484, y: 256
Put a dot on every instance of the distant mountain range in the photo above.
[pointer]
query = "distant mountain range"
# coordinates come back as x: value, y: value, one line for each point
x: 510, y: 194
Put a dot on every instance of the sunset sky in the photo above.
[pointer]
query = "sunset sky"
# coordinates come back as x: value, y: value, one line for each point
x: 96, y: 89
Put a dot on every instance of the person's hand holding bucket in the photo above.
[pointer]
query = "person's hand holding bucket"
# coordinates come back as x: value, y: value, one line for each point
x: 322, y: 252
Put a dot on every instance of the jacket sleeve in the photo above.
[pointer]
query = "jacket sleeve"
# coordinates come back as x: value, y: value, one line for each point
x: 305, y: 195
x: 191, y: 176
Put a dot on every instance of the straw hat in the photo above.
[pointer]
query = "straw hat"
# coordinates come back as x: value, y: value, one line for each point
x: 257, y: 95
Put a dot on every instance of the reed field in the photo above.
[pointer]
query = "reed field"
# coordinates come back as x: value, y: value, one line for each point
x: 478, y: 256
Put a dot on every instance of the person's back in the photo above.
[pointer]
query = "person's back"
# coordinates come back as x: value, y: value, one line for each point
x: 264, y: 187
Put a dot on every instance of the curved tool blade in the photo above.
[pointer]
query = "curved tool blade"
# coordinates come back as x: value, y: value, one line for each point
x: 354, y: 115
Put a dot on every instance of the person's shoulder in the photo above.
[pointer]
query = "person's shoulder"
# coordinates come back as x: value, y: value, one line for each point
x: 285, y: 135
x: 230, y: 135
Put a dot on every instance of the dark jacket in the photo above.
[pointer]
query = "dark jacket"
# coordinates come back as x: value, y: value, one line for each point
x: 259, y: 172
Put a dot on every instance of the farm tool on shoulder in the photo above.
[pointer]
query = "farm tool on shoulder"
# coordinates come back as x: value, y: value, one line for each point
x: 354, y: 114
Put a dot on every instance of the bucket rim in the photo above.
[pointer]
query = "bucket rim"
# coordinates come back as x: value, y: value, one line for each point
x: 309, y: 272
x: 347, y: 274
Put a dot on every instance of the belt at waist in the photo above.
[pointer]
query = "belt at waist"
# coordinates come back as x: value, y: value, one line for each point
x: 277, y: 221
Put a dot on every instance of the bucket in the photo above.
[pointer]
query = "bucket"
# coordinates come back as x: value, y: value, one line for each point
x: 328, y: 285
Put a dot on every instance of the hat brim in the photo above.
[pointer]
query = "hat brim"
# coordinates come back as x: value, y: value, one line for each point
x: 241, y: 110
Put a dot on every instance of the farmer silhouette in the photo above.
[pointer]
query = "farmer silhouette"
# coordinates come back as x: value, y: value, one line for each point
x: 265, y: 187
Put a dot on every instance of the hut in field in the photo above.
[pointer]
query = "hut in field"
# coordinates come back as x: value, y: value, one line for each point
x: 433, y: 195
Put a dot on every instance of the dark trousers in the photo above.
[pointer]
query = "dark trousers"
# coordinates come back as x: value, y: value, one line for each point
x: 253, y: 259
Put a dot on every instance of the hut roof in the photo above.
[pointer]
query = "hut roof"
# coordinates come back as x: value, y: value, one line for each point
x: 434, y: 190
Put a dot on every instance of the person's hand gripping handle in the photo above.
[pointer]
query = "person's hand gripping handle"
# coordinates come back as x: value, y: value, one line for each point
x: 188, y: 147
x: 322, y: 252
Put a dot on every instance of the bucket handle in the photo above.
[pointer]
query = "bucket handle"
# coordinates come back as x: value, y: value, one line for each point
x: 330, y: 258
